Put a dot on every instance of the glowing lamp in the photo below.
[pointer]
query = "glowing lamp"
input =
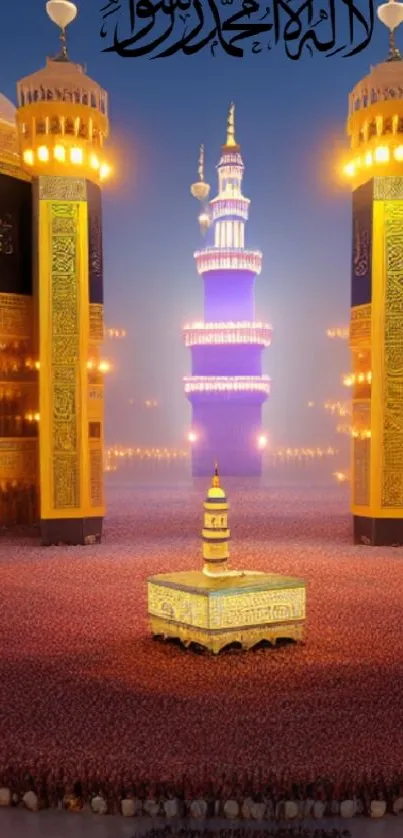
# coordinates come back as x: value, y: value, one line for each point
x: 399, y: 152
x: 43, y: 154
x: 104, y: 171
x: 192, y: 437
x: 382, y: 154
x: 104, y: 366
x: 59, y: 153
x: 204, y: 221
x: 94, y: 162
x: 262, y: 442
x: 368, y: 158
x: 76, y: 155
x: 28, y: 157
x: 349, y: 169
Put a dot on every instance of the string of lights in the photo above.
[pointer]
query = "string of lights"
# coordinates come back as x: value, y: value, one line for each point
x: 341, y: 332
x: 338, y: 408
x: 117, y: 454
x: 115, y: 334
x: 361, y: 378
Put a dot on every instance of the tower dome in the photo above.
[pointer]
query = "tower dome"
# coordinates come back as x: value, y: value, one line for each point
x: 7, y: 111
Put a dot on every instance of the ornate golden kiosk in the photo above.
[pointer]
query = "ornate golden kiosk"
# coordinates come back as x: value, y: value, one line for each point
x: 215, y: 607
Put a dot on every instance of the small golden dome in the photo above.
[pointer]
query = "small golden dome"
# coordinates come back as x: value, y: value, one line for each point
x: 216, y: 492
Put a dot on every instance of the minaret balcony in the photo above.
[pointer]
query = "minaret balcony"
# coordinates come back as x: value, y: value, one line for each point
x: 233, y: 259
x: 227, y: 384
x: 229, y: 205
x: 224, y: 334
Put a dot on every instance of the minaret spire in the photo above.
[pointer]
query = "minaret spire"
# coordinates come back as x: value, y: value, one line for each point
x: 231, y: 142
x: 201, y: 164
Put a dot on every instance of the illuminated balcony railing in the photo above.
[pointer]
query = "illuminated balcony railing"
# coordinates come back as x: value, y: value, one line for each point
x: 222, y: 207
x: 227, y: 384
x: 342, y: 332
x: 220, y: 334
x: 218, y: 259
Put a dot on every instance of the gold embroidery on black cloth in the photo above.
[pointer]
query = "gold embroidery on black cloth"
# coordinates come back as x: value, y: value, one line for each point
x: 392, y: 473
x: 361, y: 250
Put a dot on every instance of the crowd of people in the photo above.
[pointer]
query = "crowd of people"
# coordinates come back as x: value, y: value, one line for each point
x: 232, y: 797
x: 95, y: 713
x: 301, y: 831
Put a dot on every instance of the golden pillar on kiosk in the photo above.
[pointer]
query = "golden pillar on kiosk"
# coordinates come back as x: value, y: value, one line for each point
x: 62, y: 123
x: 375, y: 127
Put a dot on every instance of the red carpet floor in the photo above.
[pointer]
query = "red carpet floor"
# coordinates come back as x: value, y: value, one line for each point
x: 80, y: 678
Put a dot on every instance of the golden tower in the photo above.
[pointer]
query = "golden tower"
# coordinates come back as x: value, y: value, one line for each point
x: 215, y: 533
x: 62, y: 123
x: 375, y: 128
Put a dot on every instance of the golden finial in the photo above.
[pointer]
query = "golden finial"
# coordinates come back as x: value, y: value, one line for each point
x: 62, y: 13
x: 216, y: 478
x: 391, y: 15
x: 231, y: 142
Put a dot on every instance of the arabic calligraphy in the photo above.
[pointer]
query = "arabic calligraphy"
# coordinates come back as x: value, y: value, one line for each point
x: 361, y: 251
x: 6, y: 235
x: 163, y: 28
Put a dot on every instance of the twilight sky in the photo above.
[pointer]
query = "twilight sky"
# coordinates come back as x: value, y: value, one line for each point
x: 290, y: 118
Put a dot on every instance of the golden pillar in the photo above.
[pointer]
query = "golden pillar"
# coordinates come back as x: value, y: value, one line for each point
x: 62, y: 124
x: 215, y: 533
x: 375, y: 127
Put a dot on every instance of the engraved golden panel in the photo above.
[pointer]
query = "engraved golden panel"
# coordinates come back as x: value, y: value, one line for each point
x: 65, y: 481
x: 65, y: 353
x: 360, y: 326
x: 388, y: 189
x: 254, y: 608
x: 96, y: 476
x: 18, y: 460
x: 222, y: 610
x: 392, y: 454
x: 179, y: 606
x: 361, y: 421
x: 15, y: 317
x: 96, y: 323
x: 62, y: 189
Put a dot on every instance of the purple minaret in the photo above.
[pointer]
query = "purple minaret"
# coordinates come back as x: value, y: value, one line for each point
x: 227, y: 388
